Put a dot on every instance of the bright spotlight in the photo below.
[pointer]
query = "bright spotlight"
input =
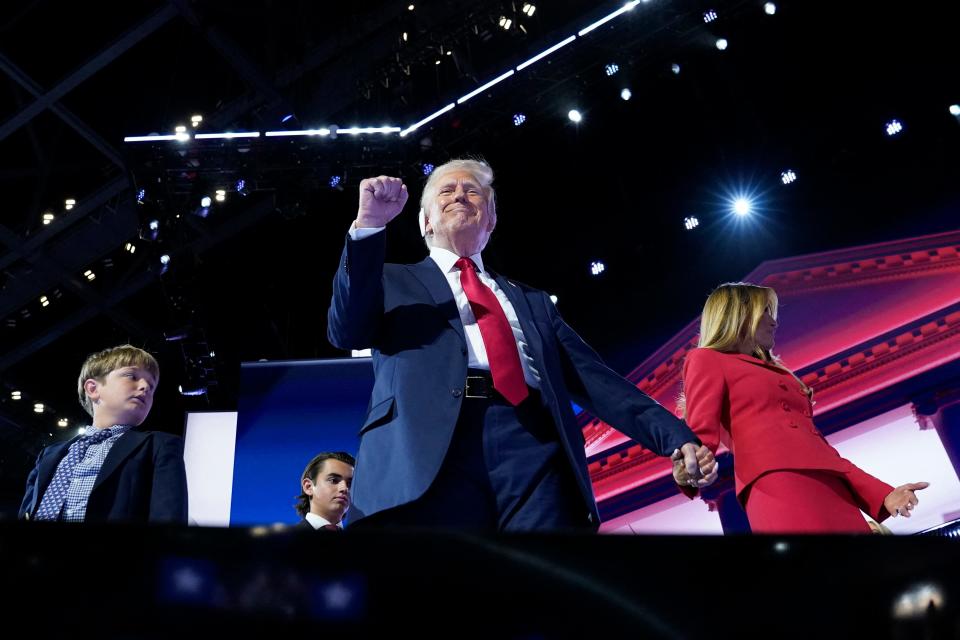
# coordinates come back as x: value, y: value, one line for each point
x: 691, y: 223
x: 62, y: 422
x: 769, y: 8
x: 675, y: 68
x: 597, y: 267
x: 205, y: 201
x: 38, y: 407
x: 742, y: 206
x: 574, y: 115
x: 894, y: 127
x: 611, y: 69
x: 47, y: 218
x: 519, y: 119
x: 626, y: 94
x: 505, y: 23
x: 955, y: 109
x: 709, y: 16
x: 221, y: 195
x: 788, y: 176
x: 722, y: 44
x: 553, y: 299
x: 528, y: 8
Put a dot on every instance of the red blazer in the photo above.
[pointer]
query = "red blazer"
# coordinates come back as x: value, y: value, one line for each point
x: 761, y: 413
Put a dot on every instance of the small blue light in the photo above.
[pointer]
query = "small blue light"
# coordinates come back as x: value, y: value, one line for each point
x: 205, y: 202
x: 241, y: 184
x: 154, y: 225
x: 742, y: 206
x: 427, y: 168
x: 335, y: 181
x: 519, y: 119
x: 164, y: 259
x: 287, y: 117
x: 141, y: 195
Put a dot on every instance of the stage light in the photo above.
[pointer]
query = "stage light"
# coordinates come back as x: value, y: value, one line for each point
x: 241, y: 187
x: 165, y: 259
x: 154, y: 225
x: 691, y: 223
x: 894, y: 127
x: 626, y: 94
x: 410, y: 7
x: 141, y: 195
x: 62, y: 422
x: 519, y: 119
x: 722, y: 44
x: 675, y: 68
x: 180, y: 129
x: 196, y: 120
x: 432, y: 116
x: 69, y: 203
x: 405, y: 36
x: 742, y: 206
x: 228, y: 135
x: 221, y: 195
x: 955, y: 109
x: 709, y: 16
x: 286, y: 118
x: 182, y: 137
x: 89, y: 275
x: 781, y: 547
x: 38, y: 407
x: 205, y: 202
x: 304, y: 132
x: 437, y: 61
x: 788, y: 176
x: 484, y: 87
x: 607, y: 18
x: 574, y: 115
x: 528, y: 8
x: 769, y: 8
x: 427, y: 168
x: 130, y: 247
x: 334, y: 181
x: 597, y: 267
x: 505, y: 23
x: 193, y: 390
x: 44, y: 301
x: 611, y: 69
x: 47, y: 218
x: 15, y: 395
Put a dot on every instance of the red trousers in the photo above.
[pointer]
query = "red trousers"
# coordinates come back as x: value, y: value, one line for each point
x: 803, y: 501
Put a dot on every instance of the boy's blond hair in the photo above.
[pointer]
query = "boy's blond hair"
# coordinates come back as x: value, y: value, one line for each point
x: 99, y: 365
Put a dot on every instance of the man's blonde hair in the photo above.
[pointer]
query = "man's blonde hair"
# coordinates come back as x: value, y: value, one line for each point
x: 98, y: 365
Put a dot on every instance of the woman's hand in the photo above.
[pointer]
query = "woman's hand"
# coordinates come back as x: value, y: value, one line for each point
x: 902, y: 500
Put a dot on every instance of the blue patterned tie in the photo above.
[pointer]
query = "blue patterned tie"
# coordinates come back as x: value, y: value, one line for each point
x: 56, y: 493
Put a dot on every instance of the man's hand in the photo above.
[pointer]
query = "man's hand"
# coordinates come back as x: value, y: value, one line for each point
x: 693, y: 466
x: 381, y: 200
x: 902, y: 500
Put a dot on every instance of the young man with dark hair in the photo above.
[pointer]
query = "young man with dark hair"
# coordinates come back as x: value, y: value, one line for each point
x: 325, y: 491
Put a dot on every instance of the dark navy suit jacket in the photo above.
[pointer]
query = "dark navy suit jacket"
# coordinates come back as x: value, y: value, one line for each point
x: 408, y: 316
x: 143, y: 479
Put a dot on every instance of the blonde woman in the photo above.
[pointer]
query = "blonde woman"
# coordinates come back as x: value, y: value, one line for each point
x: 788, y: 478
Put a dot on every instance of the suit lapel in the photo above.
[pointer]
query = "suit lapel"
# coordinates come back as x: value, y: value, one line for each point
x: 120, y: 451
x: 429, y: 274
x: 524, y: 313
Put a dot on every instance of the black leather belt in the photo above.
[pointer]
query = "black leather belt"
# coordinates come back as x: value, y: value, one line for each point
x: 479, y: 384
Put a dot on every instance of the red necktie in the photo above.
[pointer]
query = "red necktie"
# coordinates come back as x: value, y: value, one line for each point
x: 497, y: 336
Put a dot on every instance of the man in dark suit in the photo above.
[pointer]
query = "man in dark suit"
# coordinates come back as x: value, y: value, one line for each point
x: 112, y: 472
x: 470, y: 423
x: 325, y: 491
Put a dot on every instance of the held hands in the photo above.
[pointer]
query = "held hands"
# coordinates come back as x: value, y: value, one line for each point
x: 381, y: 200
x: 902, y: 500
x: 693, y: 466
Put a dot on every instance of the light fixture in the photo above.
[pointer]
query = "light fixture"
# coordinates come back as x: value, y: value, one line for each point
x: 769, y: 8
x: 955, y: 109
x: 675, y: 68
x: 519, y: 119
x: 709, y: 16
x: 62, y: 422
x: 130, y: 247
x: 205, y: 201
x: 788, y: 176
x: 221, y: 195
x: 44, y: 301
x: 69, y: 203
x: 742, y: 206
x: 38, y: 407
x: 180, y: 129
x: 196, y: 120
x: 626, y: 94
x: 335, y: 181
x: 505, y: 23
x: 410, y: 7
x: 574, y: 115
x: 528, y: 8
x: 691, y: 223
x: 15, y: 395
x: 89, y: 275
x: 597, y: 267
x: 611, y: 68
x: 722, y: 44
x: 894, y: 127
x: 427, y: 168
x: 47, y: 218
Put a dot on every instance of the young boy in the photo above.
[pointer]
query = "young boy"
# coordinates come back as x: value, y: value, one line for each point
x: 114, y: 472
x: 325, y: 491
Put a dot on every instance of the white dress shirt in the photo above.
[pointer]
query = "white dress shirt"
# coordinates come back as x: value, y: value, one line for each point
x: 318, y: 521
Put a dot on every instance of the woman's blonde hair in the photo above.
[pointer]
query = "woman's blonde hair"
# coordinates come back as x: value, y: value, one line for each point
x: 732, y: 314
